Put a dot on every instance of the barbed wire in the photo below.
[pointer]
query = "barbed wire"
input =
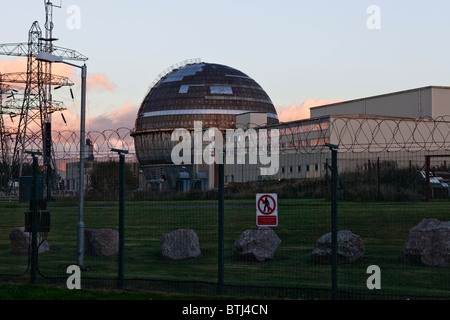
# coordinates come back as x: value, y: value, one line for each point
x: 66, y: 144
x: 372, y: 134
x: 363, y: 133
x: 351, y: 133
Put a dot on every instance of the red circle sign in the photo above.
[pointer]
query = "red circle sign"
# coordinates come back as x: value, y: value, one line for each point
x: 268, y: 205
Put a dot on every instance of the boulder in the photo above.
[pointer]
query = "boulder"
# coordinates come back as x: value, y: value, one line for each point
x: 350, y: 248
x: 259, y: 244
x: 101, y: 242
x: 21, y: 242
x: 180, y: 244
x: 429, y: 243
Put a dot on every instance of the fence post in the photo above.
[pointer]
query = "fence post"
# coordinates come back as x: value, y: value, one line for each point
x: 334, y: 229
x: 221, y: 223
x: 121, y: 257
x: 427, y: 178
x: 34, y: 196
x: 378, y: 180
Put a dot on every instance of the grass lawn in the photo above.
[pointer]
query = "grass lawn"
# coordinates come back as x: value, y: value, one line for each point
x: 40, y: 292
x: 382, y: 226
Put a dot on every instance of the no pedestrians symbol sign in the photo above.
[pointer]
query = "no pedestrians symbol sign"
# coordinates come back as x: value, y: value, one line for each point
x: 266, y: 210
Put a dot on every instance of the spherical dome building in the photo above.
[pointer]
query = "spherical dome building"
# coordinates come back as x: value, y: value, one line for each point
x: 194, y: 91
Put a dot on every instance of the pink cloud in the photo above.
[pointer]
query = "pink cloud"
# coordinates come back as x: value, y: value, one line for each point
x: 99, y: 82
x: 19, y: 64
x: 95, y: 81
x: 301, y: 111
x: 15, y: 65
x: 124, y: 116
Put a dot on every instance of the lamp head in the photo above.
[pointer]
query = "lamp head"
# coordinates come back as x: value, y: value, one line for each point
x: 48, y: 57
x: 119, y: 151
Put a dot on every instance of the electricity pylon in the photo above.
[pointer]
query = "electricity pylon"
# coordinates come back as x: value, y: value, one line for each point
x: 32, y: 129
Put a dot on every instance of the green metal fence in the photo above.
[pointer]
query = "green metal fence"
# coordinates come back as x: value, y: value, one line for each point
x: 379, y: 199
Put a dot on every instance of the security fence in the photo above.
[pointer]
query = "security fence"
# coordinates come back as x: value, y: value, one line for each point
x: 392, y: 239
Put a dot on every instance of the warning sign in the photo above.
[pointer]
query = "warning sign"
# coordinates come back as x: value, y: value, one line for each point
x: 266, y: 210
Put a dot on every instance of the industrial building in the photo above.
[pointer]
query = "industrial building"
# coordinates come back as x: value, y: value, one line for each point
x: 71, y: 180
x: 224, y: 98
x: 414, y: 122
x: 421, y: 103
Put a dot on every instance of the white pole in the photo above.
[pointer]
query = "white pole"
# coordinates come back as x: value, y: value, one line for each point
x: 80, y: 224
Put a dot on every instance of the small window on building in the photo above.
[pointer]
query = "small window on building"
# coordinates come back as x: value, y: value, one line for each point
x: 221, y: 90
x: 282, y: 169
x: 307, y: 168
x: 299, y: 168
x: 290, y: 169
x: 316, y: 167
x: 184, y: 89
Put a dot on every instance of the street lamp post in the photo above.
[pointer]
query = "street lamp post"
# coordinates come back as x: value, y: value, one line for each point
x: 48, y: 57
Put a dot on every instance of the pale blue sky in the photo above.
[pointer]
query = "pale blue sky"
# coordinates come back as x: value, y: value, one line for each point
x: 294, y: 49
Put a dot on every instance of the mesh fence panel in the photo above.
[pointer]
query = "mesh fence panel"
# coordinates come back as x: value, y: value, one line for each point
x: 381, y: 197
